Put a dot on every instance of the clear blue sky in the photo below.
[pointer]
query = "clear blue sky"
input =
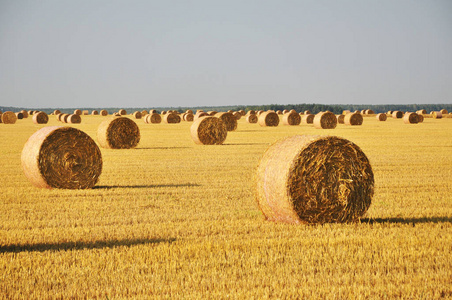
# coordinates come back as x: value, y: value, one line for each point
x: 107, y: 53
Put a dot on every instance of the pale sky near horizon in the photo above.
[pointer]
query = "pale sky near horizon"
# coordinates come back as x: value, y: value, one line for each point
x: 106, y: 53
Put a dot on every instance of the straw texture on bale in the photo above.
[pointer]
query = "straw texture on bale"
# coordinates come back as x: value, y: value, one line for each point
x: 77, y: 112
x: 153, y: 118
x: 122, y: 112
x: 228, y: 120
x: 307, y: 119
x: 153, y: 111
x: 291, y: 118
x: 137, y: 115
x: 237, y: 115
x: 95, y: 113
x: 325, y: 120
x: 40, y: 118
x: 397, y: 114
x: 251, y: 112
x: 354, y: 119
x: 252, y: 119
x: 74, y: 119
x: 314, y: 180
x: 420, y: 118
x: 340, y: 119
x: 242, y: 112
x: 61, y: 157
x: 19, y: 115
x: 421, y: 112
x: 118, y: 133
x: 369, y: 112
x: 208, y: 130
x: 24, y: 113
x: 410, y: 118
x: 381, y: 117
x: 268, y: 118
x: 436, y: 115
x: 8, y: 117
x: 171, y: 118
x: 444, y: 111
x: 103, y: 112
x: 189, y: 111
x: 188, y: 117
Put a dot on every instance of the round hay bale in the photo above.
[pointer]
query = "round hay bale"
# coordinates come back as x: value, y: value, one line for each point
x: 410, y: 118
x: 208, y: 130
x: 285, y: 111
x: 154, y: 118
x: 122, y: 112
x: 30, y: 112
x: 24, y: 113
x: 144, y: 113
x: 212, y: 113
x: 259, y: 112
x: 314, y: 180
x: 307, y: 112
x: 252, y: 119
x: 325, y: 120
x: 188, y: 117
x: 137, y: 115
x: 369, y: 112
x: 66, y: 117
x: 95, y: 113
x: 437, y: 115
x: 163, y: 112
x: 228, y: 120
x: 153, y: 111
x: 354, y: 119
x: 444, y: 111
x: 421, y: 112
x: 344, y: 112
x: 118, y: 133
x: 103, y: 113
x: 307, y: 119
x: 291, y: 118
x: 420, y: 118
x: 61, y: 157
x: 237, y: 115
x: 8, y: 117
x: 74, y: 119
x: 200, y: 114
x: 19, y: 115
x: 397, y: 114
x: 77, y: 112
x: 40, y: 118
x: 251, y: 112
x: 340, y: 119
x: 189, y: 111
x: 116, y: 114
x: 171, y: 118
x: 85, y: 112
x: 268, y: 118
x: 381, y: 117
x: 242, y: 112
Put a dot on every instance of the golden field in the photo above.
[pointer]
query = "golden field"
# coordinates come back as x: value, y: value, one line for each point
x: 171, y: 219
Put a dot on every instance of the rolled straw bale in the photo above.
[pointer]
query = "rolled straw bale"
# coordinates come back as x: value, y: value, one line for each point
x: 30, y: 112
x: 340, y: 119
x: 259, y: 112
x: 208, y: 130
x: 8, y: 117
x: 153, y: 111
x: 389, y: 112
x: 420, y: 118
x: 444, y: 111
x: 237, y: 115
x: 189, y: 111
x: 381, y: 117
x: 437, y: 115
x: 421, y: 112
x: 1, y: 112
x: 307, y: 112
x: 369, y: 112
x: 118, y: 133
x: 144, y: 113
x: 60, y: 117
x: 77, y: 112
x: 325, y: 120
x: 252, y: 119
x: 74, y: 119
x: 307, y: 119
x: 242, y: 112
x: 200, y: 114
x: 24, y: 113
x: 397, y: 114
x: 40, y: 118
x: 285, y: 111
x: 103, y: 113
x: 137, y: 115
x: 354, y: 119
x: 268, y: 118
x: 85, y: 112
x: 188, y: 117
x: 66, y: 118
x: 116, y: 114
x: 363, y: 111
x: 212, y: 113
x: 163, y: 112
x: 1, y: 116
x: 95, y: 113
x: 291, y: 118
x: 228, y: 120
x: 61, y: 157
x: 251, y: 112
x: 410, y: 118
x: 171, y: 118
x: 122, y: 112
x: 154, y: 118
x: 344, y: 112
x: 19, y: 115
x: 314, y: 179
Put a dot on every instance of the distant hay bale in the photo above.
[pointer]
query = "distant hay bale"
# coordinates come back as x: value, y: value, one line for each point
x: 237, y: 115
x: 410, y: 118
x: 381, y: 117
x: 95, y: 113
x: 74, y: 119
x: 77, y: 112
x: 40, y: 118
x: 354, y: 119
x: 24, y: 113
x: 208, y: 130
x: 268, y: 118
x: 285, y: 111
x: 228, y: 120
x: 61, y: 157
x: 212, y: 113
x: 153, y: 111
x: 163, y: 112
x: 30, y: 112
x: 116, y: 114
x: 56, y: 112
x: 252, y: 119
x: 397, y: 114
x: 242, y: 112
x: 122, y: 112
x: 85, y: 112
x: 153, y: 118
x: 307, y: 119
x: 118, y: 133
x: 259, y: 112
x: 189, y: 111
x: 171, y: 118
x: 437, y: 115
x: 420, y: 118
x: 103, y: 113
x: 291, y: 118
x: 65, y: 118
x: 369, y: 112
x: 8, y: 117
x: 19, y: 115
x: 307, y: 112
x: 344, y: 112
x: 144, y: 113
x: 340, y: 119
x: 200, y: 114
x: 251, y: 112
x: 188, y: 117
x: 421, y: 112
x: 444, y: 111
x: 137, y: 115
x: 314, y: 180
x: 325, y: 120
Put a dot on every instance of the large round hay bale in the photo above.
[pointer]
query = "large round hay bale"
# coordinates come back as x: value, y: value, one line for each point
x: 74, y: 119
x: 95, y: 113
x: 354, y: 119
x: 77, y: 112
x: 122, y: 112
x: 268, y: 118
x: 291, y: 118
x: 381, y: 117
x: 325, y: 120
x: 153, y: 118
x: 103, y: 113
x: 314, y: 179
x: 340, y: 119
x: 307, y: 119
x: 19, y: 115
x: 444, y: 111
x: 118, y: 133
x: 436, y: 115
x: 252, y: 119
x: 8, y: 117
x: 410, y: 118
x: 188, y: 117
x: 61, y: 157
x: 171, y: 118
x: 40, y: 118
x: 137, y: 115
x: 208, y: 130
x: 228, y: 120
x: 397, y: 114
